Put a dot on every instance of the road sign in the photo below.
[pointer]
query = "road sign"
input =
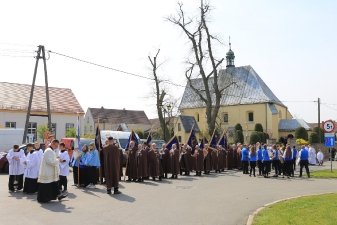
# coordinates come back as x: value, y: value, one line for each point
x: 329, y: 139
x: 328, y: 126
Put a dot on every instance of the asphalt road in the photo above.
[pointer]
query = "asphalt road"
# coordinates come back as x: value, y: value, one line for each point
x: 226, y: 198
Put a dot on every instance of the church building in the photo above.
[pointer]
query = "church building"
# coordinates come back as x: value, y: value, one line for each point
x: 247, y: 101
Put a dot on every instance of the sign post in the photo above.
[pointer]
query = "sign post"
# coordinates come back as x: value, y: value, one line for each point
x: 329, y: 137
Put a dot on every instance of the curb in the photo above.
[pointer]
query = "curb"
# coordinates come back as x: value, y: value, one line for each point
x: 251, y: 217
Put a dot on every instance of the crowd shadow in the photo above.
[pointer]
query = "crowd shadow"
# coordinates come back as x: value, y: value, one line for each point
x: 123, y: 197
x: 56, y: 206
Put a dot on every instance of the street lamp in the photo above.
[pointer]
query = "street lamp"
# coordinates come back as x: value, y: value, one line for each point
x: 165, y: 110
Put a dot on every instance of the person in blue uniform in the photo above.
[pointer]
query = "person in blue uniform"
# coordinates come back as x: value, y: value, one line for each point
x: 304, y: 156
x: 259, y: 159
x: 92, y: 163
x: 245, y: 158
x: 252, y: 159
x: 266, y: 162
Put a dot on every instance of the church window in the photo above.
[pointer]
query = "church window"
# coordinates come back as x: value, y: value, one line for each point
x: 250, y: 117
x: 179, y: 127
x: 225, y: 118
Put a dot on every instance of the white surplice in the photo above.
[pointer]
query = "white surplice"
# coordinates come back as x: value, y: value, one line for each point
x: 312, y: 156
x: 320, y: 156
x: 49, y: 170
x: 33, y: 165
x: 40, y: 153
x: 16, y: 167
x: 64, y: 166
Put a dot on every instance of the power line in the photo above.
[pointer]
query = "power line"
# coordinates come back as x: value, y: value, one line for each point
x: 328, y: 106
x: 117, y: 70
x: 18, y: 44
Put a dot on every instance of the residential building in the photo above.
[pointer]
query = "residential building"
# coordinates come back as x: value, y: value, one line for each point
x: 115, y: 119
x: 184, y: 126
x: 14, y: 99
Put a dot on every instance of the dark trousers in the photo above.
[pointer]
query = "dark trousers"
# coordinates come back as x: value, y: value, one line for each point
x: 63, y: 182
x: 260, y: 165
x: 280, y: 168
x: 84, y: 176
x: 18, y: 178
x: 288, y: 167
x: 275, y: 165
x: 92, y: 174
x: 266, y: 165
x: 304, y: 163
x: 75, y: 174
x: 245, y: 167
x: 252, y: 167
x: 294, y: 163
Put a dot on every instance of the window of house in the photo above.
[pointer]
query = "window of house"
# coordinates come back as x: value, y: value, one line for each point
x: 179, y: 138
x: 198, y: 117
x: 53, y: 129
x: 32, y: 129
x: 10, y: 124
x: 69, y: 126
x: 225, y: 117
x: 179, y: 127
x: 250, y: 117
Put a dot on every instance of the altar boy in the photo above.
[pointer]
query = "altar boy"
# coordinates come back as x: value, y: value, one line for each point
x: 15, y: 159
x: 64, y: 168
x: 32, y: 164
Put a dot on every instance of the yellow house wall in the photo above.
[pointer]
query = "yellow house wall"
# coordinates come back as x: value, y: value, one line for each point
x: 184, y: 135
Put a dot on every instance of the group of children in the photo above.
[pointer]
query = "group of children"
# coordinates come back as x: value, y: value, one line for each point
x: 24, y: 168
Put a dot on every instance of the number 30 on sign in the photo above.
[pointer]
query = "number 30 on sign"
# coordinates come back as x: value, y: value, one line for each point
x: 328, y: 126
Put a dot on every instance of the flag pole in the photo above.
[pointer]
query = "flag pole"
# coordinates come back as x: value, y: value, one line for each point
x: 190, y: 134
x: 78, y: 160
x: 99, y: 150
x: 128, y: 155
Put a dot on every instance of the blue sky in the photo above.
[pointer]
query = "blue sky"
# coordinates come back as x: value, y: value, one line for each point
x: 290, y: 44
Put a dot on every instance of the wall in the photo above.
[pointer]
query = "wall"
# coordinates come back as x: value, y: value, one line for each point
x: 59, y: 118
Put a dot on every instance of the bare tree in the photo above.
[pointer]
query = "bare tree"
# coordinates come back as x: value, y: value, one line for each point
x: 196, y: 30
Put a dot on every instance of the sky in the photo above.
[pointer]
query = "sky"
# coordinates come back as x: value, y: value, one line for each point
x: 290, y: 44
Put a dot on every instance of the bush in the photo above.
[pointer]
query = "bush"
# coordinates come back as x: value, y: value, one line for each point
x: 239, y: 137
x: 258, y: 127
x: 238, y: 127
x: 140, y: 133
x: 261, y: 136
x: 290, y: 136
x: 301, y: 141
x: 313, y: 137
x: 266, y: 136
x: 254, y: 137
x: 301, y: 132
x: 316, y: 129
x: 71, y: 133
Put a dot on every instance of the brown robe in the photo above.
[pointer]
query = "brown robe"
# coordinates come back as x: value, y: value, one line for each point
x: 214, y: 160
x: 166, y: 161
x: 131, y: 170
x: 112, y: 166
x: 154, y: 163
x: 235, y: 158
x: 143, y: 165
x: 188, y: 159
x: 175, y: 168
x: 230, y: 159
x: 225, y: 159
x: 121, y: 162
x: 220, y: 159
x: 200, y: 161
x: 239, y: 155
x: 208, y: 160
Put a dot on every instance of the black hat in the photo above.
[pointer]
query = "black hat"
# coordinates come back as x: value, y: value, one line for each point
x: 110, y: 138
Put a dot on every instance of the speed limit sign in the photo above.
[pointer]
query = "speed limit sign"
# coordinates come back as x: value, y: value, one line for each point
x: 328, y: 126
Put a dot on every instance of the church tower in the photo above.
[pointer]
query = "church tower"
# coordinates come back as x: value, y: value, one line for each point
x: 230, y: 55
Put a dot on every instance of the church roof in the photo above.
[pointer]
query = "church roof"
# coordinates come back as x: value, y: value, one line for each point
x: 249, y: 88
x: 187, y: 122
x: 292, y: 124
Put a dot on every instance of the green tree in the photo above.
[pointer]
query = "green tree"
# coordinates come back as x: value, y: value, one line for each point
x: 140, y: 133
x: 261, y: 135
x: 258, y: 127
x: 313, y: 137
x: 238, y: 127
x: 254, y: 137
x: 239, y: 137
x: 301, y: 132
x: 316, y: 129
x: 41, y: 129
x: 266, y: 136
x: 71, y: 133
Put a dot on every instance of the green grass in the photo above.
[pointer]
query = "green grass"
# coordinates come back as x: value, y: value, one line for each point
x: 322, y: 174
x: 312, y: 210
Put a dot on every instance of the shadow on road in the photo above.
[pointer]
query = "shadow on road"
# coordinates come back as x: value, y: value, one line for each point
x: 124, y: 198
x: 56, y: 206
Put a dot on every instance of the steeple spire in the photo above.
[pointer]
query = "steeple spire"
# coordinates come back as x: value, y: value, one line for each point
x: 230, y: 55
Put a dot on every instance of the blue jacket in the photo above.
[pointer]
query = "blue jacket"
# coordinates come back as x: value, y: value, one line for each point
x: 276, y: 155
x: 304, y: 154
x: 83, y: 159
x: 244, y: 154
x: 294, y: 152
x: 265, y: 155
x: 93, y: 159
x: 252, y: 157
x: 259, y: 154
x: 74, y: 162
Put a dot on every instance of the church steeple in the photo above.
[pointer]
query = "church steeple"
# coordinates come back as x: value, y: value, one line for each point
x: 230, y: 55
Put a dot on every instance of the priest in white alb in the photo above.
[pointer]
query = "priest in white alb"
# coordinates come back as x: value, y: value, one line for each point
x: 15, y: 158
x: 32, y: 164
x: 312, y: 155
x: 48, y: 180
x: 320, y: 157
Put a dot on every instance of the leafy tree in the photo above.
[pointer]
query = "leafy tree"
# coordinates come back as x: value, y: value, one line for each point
x: 41, y: 129
x: 239, y: 136
x: 262, y: 139
x: 301, y: 132
x: 90, y: 136
x: 313, y: 137
x: 290, y: 136
x: 238, y: 127
x: 316, y: 129
x: 71, y: 133
x: 266, y: 136
x: 140, y: 133
x: 258, y: 127
x: 254, y: 137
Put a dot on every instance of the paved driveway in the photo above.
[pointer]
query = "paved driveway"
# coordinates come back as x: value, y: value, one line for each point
x: 227, y: 198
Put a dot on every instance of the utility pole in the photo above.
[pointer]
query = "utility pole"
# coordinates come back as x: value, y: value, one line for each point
x: 319, y: 120
x: 41, y: 50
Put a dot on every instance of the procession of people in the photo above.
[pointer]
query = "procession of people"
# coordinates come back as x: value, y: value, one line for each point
x: 45, y: 172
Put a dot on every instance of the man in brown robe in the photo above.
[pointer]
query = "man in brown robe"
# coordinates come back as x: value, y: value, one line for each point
x: 225, y: 159
x: 142, y: 165
x: 121, y: 160
x: 239, y: 156
x: 220, y: 159
x: 166, y: 159
x: 174, y: 161
x: 154, y: 163
x: 199, y: 154
x: 230, y: 158
x: 131, y: 169
x: 214, y: 158
x: 112, y: 166
x: 188, y: 159
x: 208, y: 160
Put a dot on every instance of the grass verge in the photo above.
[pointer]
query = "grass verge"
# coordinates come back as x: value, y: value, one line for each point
x: 311, y: 210
x: 322, y: 174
